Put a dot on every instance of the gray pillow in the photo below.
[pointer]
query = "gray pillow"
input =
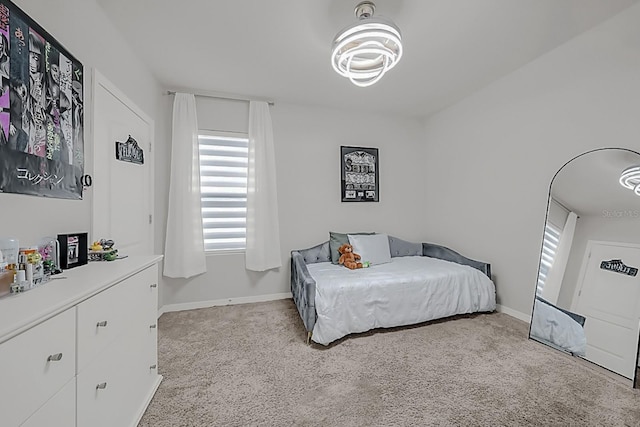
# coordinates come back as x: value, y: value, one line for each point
x: 335, y: 241
x: 401, y: 247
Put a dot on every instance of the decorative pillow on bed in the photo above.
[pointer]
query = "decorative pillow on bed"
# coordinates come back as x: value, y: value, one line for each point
x: 401, y: 247
x: 372, y: 248
x: 338, y: 239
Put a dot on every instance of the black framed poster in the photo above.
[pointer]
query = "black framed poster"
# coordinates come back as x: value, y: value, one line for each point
x: 359, y: 169
x: 41, y: 110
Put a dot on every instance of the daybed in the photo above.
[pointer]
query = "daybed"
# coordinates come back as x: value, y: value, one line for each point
x: 422, y: 282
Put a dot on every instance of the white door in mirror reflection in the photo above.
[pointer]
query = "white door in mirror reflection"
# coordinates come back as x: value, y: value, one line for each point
x: 610, y: 301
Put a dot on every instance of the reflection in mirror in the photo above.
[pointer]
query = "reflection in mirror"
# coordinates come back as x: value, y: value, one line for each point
x: 587, y: 299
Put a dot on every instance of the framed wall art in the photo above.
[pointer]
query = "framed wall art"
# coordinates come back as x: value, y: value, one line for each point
x: 360, y: 179
x: 41, y: 110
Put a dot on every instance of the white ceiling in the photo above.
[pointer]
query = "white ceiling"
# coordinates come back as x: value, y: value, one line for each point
x: 589, y: 185
x: 279, y: 49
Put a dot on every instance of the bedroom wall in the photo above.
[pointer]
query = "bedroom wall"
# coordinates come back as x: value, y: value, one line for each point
x: 307, y: 145
x: 82, y: 28
x: 490, y: 158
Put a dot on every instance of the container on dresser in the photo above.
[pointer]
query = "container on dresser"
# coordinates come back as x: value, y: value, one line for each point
x: 83, y: 349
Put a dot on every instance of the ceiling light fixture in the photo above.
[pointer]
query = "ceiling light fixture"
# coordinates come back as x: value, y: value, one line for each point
x: 363, y: 52
x: 630, y: 178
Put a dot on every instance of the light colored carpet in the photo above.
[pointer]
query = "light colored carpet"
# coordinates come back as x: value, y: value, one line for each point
x: 248, y: 365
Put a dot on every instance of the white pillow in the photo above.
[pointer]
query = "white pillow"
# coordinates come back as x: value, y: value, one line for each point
x: 372, y: 247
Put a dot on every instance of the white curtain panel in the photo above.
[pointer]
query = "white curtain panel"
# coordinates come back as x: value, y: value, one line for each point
x: 184, y: 247
x: 552, y: 285
x: 263, y: 230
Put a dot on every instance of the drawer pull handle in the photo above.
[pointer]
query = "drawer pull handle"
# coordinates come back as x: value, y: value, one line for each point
x: 102, y: 324
x: 101, y: 386
x: 54, y: 357
x: 152, y: 367
x: 153, y: 326
x: 154, y: 285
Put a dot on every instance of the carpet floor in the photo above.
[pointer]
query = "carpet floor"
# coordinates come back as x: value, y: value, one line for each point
x: 248, y: 365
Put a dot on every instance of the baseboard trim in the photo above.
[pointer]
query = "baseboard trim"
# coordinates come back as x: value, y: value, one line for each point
x: 513, y: 313
x: 227, y: 301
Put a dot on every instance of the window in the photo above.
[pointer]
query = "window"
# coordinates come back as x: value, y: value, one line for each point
x: 223, y: 186
x: 549, y: 248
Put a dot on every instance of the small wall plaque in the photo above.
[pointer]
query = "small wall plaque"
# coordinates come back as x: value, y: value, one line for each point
x: 129, y: 151
x: 618, y: 266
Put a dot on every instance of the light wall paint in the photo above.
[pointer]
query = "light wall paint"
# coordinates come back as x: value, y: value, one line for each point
x: 307, y: 145
x: 223, y: 115
x: 83, y: 29
x: 491, y: 157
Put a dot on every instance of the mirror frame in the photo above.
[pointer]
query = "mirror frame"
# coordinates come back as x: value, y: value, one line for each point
x: 636, y: 380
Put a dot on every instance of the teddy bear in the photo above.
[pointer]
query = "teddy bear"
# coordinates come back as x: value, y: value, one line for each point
x: 348, y: 257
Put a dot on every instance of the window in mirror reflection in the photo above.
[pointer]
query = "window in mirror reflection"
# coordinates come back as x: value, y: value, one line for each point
x: 549, y: 246
x: 558, y: 238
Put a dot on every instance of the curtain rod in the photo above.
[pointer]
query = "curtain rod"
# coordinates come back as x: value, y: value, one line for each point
x: 221, y: 96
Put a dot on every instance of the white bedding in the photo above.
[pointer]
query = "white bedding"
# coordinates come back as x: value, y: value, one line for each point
x: 558, y: 329
x: 405, y: 291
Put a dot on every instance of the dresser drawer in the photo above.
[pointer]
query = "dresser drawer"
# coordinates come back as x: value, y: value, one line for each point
x: 35, y: 365
x: 105, y: 316
x: 112, y: 388
x: 59, y: 411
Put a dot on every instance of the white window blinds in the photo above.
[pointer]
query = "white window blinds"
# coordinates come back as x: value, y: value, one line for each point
x: 223, y: 186
x: 549, y: 248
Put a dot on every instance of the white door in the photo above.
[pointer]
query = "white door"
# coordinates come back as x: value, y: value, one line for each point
x: 122, y: 191
x: 610, y: 300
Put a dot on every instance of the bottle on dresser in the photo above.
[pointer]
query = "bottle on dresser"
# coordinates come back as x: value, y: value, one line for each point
x: 9, y: 251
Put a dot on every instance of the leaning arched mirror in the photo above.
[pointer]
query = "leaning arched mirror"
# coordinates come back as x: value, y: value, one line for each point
x: 587, y: 298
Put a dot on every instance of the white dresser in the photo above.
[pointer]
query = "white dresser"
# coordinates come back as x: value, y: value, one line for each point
x: 81, y: 351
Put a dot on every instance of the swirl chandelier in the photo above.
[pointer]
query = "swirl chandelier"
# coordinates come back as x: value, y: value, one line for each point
x: 630, y: 178
x: 363, y: 52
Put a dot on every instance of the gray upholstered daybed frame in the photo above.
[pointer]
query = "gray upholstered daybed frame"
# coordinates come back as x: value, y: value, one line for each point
x: 303, y: 286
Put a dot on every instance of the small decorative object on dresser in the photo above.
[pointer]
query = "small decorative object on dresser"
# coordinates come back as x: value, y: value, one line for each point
x: 103, y: 250
x: 73, y: 250
x: 6, y: 280
x: 8, y: 263
x: 49, y: 248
